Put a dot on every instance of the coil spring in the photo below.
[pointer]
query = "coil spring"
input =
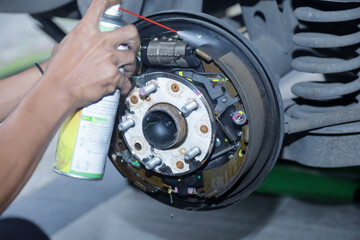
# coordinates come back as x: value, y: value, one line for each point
x: 334, y: 53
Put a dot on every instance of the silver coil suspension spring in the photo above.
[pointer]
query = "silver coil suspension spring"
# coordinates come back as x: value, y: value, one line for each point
x: 330, y: 31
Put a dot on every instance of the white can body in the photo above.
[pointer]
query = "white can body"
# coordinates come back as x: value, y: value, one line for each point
x: 85, y: 135
x: 84, y: 139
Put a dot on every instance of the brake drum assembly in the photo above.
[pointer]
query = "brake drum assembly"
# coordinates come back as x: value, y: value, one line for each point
x: 204, y: 124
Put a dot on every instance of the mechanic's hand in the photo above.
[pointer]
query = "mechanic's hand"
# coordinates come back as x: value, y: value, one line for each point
x: 85, y: 65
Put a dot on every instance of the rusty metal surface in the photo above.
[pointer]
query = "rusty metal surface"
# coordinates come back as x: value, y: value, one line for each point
x: 196, y: 122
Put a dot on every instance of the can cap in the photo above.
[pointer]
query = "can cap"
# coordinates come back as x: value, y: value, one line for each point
x: 114, y: 11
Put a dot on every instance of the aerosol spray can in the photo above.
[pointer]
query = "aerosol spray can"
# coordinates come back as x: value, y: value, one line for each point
x: 85, y: 135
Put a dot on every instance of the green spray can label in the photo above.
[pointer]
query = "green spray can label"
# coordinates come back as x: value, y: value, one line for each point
x: 85, y: 135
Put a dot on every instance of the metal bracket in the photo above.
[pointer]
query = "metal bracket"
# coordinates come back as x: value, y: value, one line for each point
x: 224, y: 100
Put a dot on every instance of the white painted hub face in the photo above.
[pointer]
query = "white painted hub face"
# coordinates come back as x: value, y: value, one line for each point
x: 200, y: 128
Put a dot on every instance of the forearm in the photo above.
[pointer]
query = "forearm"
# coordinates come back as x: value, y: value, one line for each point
x: 25, y: 134
x: 13, y: 89
x: 83, y: 68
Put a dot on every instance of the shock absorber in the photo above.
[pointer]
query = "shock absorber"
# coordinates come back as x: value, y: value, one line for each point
x: 330, y: 31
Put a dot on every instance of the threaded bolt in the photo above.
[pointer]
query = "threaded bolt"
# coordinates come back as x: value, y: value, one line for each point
x: 189, y: 107
x: 147, y: 90
x: 125, y: 125
x: 153, y: 162
x: 192, y: 153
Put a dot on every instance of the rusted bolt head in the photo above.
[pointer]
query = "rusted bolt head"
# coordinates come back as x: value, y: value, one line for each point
x: 134, y: 99
x: 204, y: 129
x: 148, y: 99
x: 179, y: 165
x: 175, y: 87
x: 182, y: 150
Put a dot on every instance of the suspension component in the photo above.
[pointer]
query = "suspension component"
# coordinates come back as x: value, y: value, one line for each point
x: 331, y: 36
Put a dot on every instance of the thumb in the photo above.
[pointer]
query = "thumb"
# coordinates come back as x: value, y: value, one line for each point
x: 96, y: 10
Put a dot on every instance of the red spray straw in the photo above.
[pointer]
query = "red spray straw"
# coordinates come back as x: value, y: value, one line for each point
x: 149, y: 20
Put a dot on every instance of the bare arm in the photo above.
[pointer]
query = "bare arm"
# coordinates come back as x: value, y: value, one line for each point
x: 13, y: 89
x: 83, y: 69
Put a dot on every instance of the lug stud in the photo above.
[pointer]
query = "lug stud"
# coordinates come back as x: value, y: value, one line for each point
x: 189, y: 107
x: 147, y: 90
x: 192, y: 153
x: 125, y: 125
x: 153, y: 162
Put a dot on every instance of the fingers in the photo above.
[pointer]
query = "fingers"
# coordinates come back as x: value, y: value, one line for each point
x: 127, y: 58
x: 125, y: 86
x: 96, y: 10
x: 120, y: 81
x: 126, y: 35
x: 124, y: 57
x: 129, y: 69
x: 128, y: 63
